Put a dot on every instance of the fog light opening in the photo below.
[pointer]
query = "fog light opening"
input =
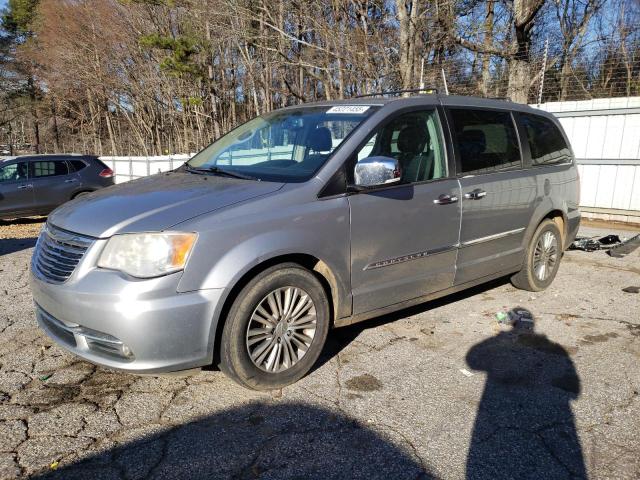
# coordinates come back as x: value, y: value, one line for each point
x: 126, y: 351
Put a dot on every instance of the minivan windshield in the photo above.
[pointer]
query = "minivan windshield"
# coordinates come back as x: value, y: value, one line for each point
x: 282, y: 146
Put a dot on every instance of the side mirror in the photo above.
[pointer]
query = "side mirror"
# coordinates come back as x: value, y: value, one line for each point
x: 376, y: 171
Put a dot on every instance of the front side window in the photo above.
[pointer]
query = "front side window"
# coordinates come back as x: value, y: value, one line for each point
x: 284, y: 146
x: 414, y: 140
x: 486, y: 140
x: 546, y: 142
x: 50, y: 168
x: 14, y: 172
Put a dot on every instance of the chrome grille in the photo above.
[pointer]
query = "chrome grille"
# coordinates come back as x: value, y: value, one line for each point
x: 58, y: 252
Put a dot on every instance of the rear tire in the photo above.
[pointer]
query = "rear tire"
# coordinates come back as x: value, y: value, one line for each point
x: 275, y: 329
x: 542, y: 258
x: 80, y: 194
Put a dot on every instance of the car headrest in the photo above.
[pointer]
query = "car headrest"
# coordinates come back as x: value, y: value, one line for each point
x: 411, y: 139
x: 320, y: 140
x: 474, y: 142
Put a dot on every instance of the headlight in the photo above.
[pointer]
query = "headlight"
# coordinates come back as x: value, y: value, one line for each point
x: 147, y: 255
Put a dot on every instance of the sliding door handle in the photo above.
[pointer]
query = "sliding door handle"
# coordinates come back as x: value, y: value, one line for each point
x: 445, y: 199
x: 476, y: 194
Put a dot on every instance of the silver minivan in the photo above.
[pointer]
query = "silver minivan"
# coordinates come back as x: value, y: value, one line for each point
x: 301, y: 220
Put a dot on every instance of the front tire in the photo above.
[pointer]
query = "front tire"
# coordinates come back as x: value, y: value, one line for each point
x: 275, y: 329
x: 542, y: 258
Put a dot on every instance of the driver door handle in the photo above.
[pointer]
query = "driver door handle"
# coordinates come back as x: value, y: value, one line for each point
x: 476, y: 194
x: 71, y: 180
x: 445, y: 199
x: 22, y: 187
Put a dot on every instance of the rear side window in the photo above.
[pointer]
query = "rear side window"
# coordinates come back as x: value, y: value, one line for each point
x: 546, y: 142
x: 51, y: 168
x: 486, y: 140
x: 77, y: 165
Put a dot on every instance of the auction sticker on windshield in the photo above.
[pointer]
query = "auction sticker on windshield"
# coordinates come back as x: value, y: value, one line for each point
x: 348, y: 109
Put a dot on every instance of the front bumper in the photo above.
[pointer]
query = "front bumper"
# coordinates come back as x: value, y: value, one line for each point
x: 97, y: 315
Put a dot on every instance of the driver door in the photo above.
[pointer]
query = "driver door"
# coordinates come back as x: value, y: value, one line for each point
x: 16, y: 192
x: 404, y: 237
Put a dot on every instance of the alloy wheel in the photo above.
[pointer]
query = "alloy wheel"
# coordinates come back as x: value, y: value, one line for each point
x: 545, y: 255
x: 281, y: 329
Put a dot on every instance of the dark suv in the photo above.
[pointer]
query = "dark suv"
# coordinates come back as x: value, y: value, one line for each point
x: 35, y: 185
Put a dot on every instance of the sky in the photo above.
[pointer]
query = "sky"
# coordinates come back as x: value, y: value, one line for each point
x: 3, y: 3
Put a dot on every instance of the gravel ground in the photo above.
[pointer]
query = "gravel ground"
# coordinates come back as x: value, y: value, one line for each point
x: 437, y: 391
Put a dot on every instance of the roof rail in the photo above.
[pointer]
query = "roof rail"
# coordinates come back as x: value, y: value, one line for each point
x: 427, y: 91
x: 506, y: 99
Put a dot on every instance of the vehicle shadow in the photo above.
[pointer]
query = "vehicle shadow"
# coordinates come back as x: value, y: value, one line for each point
x: 12, y: 245
x: 259, y: 440
x: 339, y: 338
x: 524, y: 426
x: 22, y: 221
x: 16, y: 244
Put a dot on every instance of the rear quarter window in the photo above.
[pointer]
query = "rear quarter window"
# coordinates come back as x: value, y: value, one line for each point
x: 77, y: 165
x: 546, y: 142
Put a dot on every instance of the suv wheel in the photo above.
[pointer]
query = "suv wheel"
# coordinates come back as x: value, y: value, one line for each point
x: 543, y: 258
x: 275, y: 329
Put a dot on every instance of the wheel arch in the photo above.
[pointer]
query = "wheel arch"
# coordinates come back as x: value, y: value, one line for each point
x: 557, y: 215
x: 80, y: 192
x: 318, y: 267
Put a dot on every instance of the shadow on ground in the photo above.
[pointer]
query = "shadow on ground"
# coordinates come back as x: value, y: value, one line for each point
x: 17, y: 244
x: 339, y: 338
x: 286, y: 440
x: 12, y: 245
x: 524, y: 427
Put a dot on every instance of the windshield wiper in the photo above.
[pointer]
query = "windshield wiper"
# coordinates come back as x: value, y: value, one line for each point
x: 220, y: 171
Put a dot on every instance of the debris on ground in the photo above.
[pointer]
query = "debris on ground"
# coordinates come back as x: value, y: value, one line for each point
x: 631, y: 289
x: 54, y: 465
x: 585, y: 244
x: 44, y: 378
x: 466, y: 372
x: 625, y: 247
x: 517, y: 317
x: 608, y: 240
x: 615, y: 246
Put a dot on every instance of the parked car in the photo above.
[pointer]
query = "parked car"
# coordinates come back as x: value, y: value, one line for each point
x: 37, y: 184
x: 301, y: 220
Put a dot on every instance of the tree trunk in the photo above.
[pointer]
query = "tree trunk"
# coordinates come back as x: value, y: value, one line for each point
x: 407, y: 12
x: 519, y: 78
x: 488, y: 42
x: 524, y: 13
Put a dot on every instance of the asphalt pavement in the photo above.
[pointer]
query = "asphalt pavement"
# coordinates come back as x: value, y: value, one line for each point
x: 442, y: 390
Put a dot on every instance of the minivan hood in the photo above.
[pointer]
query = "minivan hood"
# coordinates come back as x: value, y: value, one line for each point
x: 154, y: 203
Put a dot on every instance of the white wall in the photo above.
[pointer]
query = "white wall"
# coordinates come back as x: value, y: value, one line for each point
x: 129, y: 168
x: 605, y: 135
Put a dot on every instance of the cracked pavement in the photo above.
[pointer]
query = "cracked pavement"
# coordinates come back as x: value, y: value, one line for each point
x: 437, y: 391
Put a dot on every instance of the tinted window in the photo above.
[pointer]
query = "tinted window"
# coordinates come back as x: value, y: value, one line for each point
x: 486, y: 140
x: 50, y: 168
x: 13, y: 172
x: 414, y: 140
x: 77, y: 165
x: 546, y: 143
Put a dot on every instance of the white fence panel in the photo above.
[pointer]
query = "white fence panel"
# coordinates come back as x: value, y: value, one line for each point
x: 605, y: 135
x: 130, y: 168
